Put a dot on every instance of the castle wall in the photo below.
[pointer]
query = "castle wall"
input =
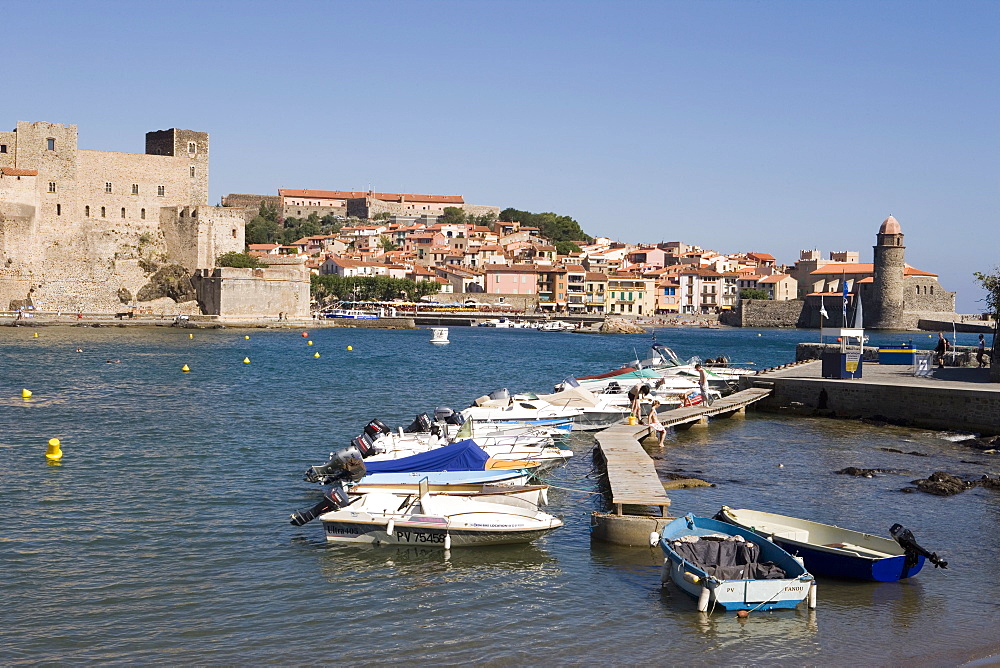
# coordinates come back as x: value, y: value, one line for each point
x: 282, y: 287
x: 765, y: 313
x: 68, y: 243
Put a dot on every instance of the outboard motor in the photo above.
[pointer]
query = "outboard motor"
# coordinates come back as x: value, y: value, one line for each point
x: 500, y: 395
x: 442, y: 413
x: 333, y: 499
x: 613, y: 388
x: 344, y: 464
x: 420, y: 425
x: 909, y: 544
x: 375, y: 429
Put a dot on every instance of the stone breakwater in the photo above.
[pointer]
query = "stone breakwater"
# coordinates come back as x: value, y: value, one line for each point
x: 959, y: 399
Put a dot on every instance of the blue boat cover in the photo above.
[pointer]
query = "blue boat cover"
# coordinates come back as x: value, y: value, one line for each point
x: 460, y: 456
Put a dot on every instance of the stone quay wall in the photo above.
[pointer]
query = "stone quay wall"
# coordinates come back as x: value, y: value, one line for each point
x: 764, y: 313
x: 921, y: 406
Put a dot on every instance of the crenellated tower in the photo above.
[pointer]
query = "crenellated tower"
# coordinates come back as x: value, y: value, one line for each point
x: 887, y: 289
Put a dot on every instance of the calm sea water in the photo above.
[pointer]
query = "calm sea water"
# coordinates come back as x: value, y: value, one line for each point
x: 163, y: 537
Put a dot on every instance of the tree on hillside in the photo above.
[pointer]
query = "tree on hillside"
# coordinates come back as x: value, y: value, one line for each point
x: 754, y: 293
x: 566, y: 247
x: 550, y: 225
x: 452, y: 216
x: 385, y: 241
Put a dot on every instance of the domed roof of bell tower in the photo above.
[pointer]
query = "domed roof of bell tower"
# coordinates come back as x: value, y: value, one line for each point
x: 890, y: 226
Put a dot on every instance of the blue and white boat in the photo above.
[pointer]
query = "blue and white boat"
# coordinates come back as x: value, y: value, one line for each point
x: 834, y: 552
x: 722, y: 564
x: 499, y: 408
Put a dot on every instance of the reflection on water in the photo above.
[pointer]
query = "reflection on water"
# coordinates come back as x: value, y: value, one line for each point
x: 163, y: 537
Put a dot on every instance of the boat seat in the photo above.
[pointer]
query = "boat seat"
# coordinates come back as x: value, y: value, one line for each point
x: 800, y: 535
x: 864, y: 552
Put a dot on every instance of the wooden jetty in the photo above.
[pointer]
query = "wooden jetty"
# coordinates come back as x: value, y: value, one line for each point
x: 632, y: 477
x: 685, y: 417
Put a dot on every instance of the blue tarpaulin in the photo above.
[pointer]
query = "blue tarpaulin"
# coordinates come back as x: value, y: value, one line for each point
x: 461, y: 456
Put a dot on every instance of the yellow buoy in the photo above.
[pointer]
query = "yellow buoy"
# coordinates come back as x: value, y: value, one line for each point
x: 185, y: 368
x: 246, y: 360
x: 53, y: 453
x: 758, y: 335
x: 26, y: 394
x: 316, y: 355
x: 190, y: 336
x: 309, y: 343
x: 246, y: 337
x: 35, y: 335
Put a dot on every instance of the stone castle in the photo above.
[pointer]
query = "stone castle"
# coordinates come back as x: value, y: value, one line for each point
x: 84, y: 230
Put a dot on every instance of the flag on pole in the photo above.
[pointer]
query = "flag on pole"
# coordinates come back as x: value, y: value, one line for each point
x: 859, y: 318
x: 844, y: 281
x: 822, y: 308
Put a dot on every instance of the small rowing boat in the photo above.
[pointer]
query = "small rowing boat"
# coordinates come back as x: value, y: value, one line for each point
x: 834, y: 552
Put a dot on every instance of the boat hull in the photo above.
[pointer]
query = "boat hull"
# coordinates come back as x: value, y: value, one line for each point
x: 406, y: 533
x: 829, y: 550
x: 737, y: 593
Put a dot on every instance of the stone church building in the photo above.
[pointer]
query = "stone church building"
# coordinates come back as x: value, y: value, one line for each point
x: 893, y: 294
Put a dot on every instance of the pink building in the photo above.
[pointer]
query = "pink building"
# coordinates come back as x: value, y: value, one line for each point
x: 517, y: 279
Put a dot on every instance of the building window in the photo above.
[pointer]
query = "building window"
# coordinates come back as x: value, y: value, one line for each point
x: 123, y: 212
x: 86, y: 212
x: 107, y: 186
x: 50, y: 144
x: 52, y: 186
x: 135, y: 188
x: 161, y: 191
x: 192, y: 172
x: 3, y: 148
x: 932, y: 289
x: 104, y: 213
x: 142, y: 214
x: 192, y: 147
x: 58, y: 209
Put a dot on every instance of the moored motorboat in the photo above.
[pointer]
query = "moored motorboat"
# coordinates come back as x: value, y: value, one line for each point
x: 722, y: 564
x: 437, y: 520
x: 499, y: 407
x: 439, y: 335
x: 835, y: 552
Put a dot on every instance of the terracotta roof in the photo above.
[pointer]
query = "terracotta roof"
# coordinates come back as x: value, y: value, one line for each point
x: 13, y: 171
x: 766, y: 257
x: 596, y: 276
x: 845, y: 268
x: 385, y: 197
x: 513, y: 268
x: 774, y: 278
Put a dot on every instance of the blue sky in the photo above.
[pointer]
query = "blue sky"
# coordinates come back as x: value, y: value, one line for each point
x: 737, y: 126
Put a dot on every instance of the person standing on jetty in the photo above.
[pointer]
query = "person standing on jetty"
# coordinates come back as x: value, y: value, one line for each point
x: 981, y: 352
x: 636, y: 395
x: 940, y: 349
x: 703, y: 384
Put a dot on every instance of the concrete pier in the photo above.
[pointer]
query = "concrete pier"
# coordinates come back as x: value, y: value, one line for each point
x: 953, y: 398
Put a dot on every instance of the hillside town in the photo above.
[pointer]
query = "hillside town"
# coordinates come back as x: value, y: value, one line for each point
x: 481, y: 254
x: 133, y: 233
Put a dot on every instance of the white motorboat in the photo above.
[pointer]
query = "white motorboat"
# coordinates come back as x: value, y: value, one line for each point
x: 596, y: 411
x: 665, y: 362
x: 399, y: 444
x: 439, y: 335
x: 555, y: 326
x: 499, y: 407
x: 437, y: 520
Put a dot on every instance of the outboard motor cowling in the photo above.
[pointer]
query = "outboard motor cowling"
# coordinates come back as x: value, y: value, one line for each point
x: 333, y: 499
x: 909, y: 544
x: 376, y: 428
x: 420, y: 425
x: 344, y: 464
